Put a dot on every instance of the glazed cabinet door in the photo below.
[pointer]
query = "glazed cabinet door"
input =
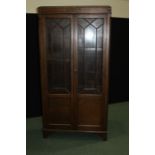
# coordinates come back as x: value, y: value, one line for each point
x: 56, y: 70
x: 90, y: 72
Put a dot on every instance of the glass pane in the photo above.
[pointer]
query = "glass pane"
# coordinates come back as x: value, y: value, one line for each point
x: 90, y: 54
x: 58, y: 52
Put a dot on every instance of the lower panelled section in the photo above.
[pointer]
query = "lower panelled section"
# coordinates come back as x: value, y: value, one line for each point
x: 59, y: 114
x: 90, y: 112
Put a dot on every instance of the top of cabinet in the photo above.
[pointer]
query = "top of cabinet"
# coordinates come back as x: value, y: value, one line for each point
x: 73, y: 9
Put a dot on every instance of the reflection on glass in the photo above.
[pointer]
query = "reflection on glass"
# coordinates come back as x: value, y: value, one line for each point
x: 90, y: 48
x: 89, y: 35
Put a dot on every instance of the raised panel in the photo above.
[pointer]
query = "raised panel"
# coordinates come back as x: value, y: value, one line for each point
x: 59, y: 109
x: 90, y: 110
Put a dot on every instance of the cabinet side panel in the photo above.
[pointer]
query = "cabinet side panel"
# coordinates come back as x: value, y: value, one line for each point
x: 43, y: 71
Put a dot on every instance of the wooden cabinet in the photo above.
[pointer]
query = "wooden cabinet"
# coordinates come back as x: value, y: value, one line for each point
x: 74, y: 58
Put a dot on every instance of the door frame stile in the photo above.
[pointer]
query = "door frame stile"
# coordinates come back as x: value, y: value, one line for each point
x: 106, y: 43
x: 43, y: 69
x: 75, y: 72
x: 72, y: 73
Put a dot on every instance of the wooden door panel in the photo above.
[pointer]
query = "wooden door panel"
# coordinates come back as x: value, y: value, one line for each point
x: 90, y: 48
x: 90, y: 112
x: 56, y: 70
x: 59, y: 111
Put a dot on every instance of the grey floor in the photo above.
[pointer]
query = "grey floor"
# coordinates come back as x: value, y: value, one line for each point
x: 82, y: 143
